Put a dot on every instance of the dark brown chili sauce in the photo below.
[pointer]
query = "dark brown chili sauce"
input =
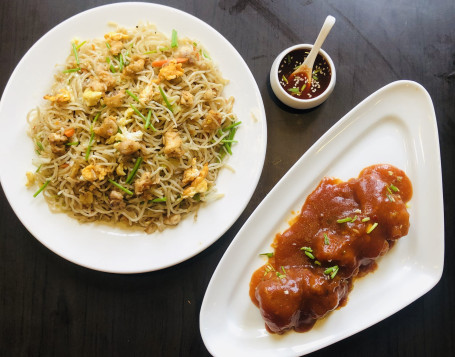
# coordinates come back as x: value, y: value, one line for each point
x: 344, y: 225
x: 297, y: 85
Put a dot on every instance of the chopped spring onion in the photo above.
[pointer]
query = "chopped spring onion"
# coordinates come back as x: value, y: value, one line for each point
x: 162, y: 49
x: 390, y: 197
x: 138, y: 112
x: 149, y: 52
x: 71, y: 70
x: 39, y: 168
x: 80, y: 45
x: 89, y: 146
x: 73, y: 143
x: 285, y: 80
x: 120, y: 187
x: 132, y: 96
x: 366, y: 219
x: 326, y: 239
x: 121, y: 62
x: 332, y: 271
x: 373, y: 226
x: 41, y: 188
x: 315, y: 77
x: 108, y: 45
x: 309, y: 255
x: 279, y: 275
x: 344, y: 220
x: 354, y: 219
x: 307, y: 249
x: 111, y: 66
x: 303, y: 88
x: 228, y: 141
x: 148, y: 123
x: 76, y: 55
x: 206, y: 55
x: 269, y: 255
x: 174, y: 41
x: 162, y: 199
x: 40, y: 146
x: 133, y: 172
x: 168, y: 105
x: 394, y: 188
x: 317, y: 262
x: 294, y: 90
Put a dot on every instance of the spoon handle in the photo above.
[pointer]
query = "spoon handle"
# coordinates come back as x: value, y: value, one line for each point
x: 326, y: 27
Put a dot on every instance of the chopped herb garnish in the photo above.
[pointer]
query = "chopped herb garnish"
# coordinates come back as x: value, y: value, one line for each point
x: 120, y: 187
x: 39, y: 168
x: 373, y: 226
x: 133, y: 172
x: 354, y: 219
x: 121, y: 62
x: 108, y: 45
x: 309, y: 254
x: 161, y: 199
x: 269, y: 255
x: 366, y: 219
x: 285, y: 80
x: 111, y: 66
x: 89, y: 146
x: 268, y: 269
x: 80, y: 45
x: 149, y: 52
x: 317, y: 262
x: 132, y: 96
x: 326, y: 239
x: 43, y: 186
x: 281, y: 276
x: 174, y: 40
x: 307, y: 249
x: 162, y: 49
x: 332, y: 271
x: 232, y: 126
x: 394, y: 188
x: 75, y: 54
x: 138, y: 112
x: 71, y: 70
x: 294, y: 90
x: 148, y: 123
x: 344, y: 220
x: 73, y: 143
x: 303, y: 88
x: 315, y: 77
x: 206, y: 55
x: 390, y: 197
x: 168, y: 105
x: 40, y: 146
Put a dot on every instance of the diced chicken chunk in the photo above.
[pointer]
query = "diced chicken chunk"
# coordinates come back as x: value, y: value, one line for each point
x: 212, y: 121
x: 128, y: 147
x: 144, y: 183
x: 94, y: 172
x: 172, y: 144
x: 199, y: 185
x: 172, y: 220
x: 115, y: 100
x: 91, y: 98
x: 63, y: 96
x: 186, y: 99
x: 171, y: 71
x: 104, y: 82
x: 116, y: 47
x: 57, y: 143
x: 136, y: 65
x: 116, y: 200
x: 108, y: 128
x: 209, y: 94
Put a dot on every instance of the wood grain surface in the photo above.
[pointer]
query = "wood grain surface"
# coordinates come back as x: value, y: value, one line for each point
x: 50, y: 307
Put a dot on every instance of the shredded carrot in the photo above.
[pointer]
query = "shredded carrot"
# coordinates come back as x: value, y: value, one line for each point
x: 160, y: 63
x: 69, y: 132
x: 62, y: 166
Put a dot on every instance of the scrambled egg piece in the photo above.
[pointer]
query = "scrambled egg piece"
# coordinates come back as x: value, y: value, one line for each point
x: 91, y: 98
x: 171, y: 71
x: 190, y: 174
x: 199, y: 185
x: 172, y: 144
x: 186, y: 98
x: 30, y: 178
x: 148, y: 93
x: 63, y: 97
x: 126, y: 135
x: 212, y: 121
x: 116, y: 36
x: 94, y: 172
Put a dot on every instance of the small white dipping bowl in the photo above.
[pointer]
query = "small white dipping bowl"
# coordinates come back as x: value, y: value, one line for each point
x: 288, y: 99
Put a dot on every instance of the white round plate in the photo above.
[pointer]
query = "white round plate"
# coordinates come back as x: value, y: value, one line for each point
x: 106, y: 247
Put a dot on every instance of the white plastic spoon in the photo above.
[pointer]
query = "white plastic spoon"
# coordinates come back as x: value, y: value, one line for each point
x: 306, y: 67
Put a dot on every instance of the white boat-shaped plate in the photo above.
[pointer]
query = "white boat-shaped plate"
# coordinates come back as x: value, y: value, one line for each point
x: 395, y: 125
x: 110, y: 248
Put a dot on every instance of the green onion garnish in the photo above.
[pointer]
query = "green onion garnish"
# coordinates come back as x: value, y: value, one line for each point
x: 149, y: 52
x: 71, y: 70
x: 174, y: 41
x: 232, y: 126
x: 206, y: 55
x: 162, y: 199
x: 285, y: 80
x: 373, y: 226
x: 294, y: 90
x: 148, y: 123
x: 279, y: 275
x: 133, y: 172
x: 394, y: 188
x: 303, y: 87
x: 307, y: 249
x: 121, y: 62
x: 73, y: 143
x: 89, y: 147
x: 326, y: 239
x: 41, y: 188
x: 108, y: 45
x: 315, y: 77
x: 389, y: 196
x: 228, y: 141
x: 40, y: 146
x: 75, y: 54
x: 354, y: 219
x: 39, y: 168
x: 120, y: 187
x: 344, y: 220
x: 332, y: 271
x: 132, y: 96
x: 317, y: 262
x: 168, y: 105
x: 162, y: 49
x: 111, y: 67
x: 366, y: 219
x: 138, y: 112
x: 269, y: 255
x: 309, y: 255
x: 80, y: 45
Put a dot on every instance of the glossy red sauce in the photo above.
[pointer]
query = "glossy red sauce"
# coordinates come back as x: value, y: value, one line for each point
x: 297, y: 85
x: 342, y: 229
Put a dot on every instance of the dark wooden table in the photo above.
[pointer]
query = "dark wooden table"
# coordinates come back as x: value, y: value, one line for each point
x: 50, y: 307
